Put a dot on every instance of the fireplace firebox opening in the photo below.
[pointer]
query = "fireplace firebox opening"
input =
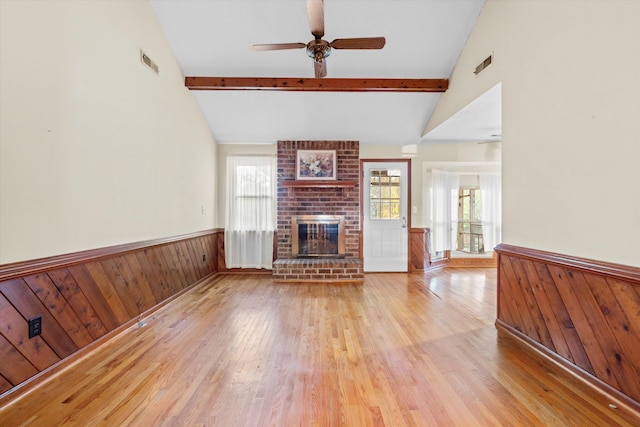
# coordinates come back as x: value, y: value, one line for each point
x: 317, y: 236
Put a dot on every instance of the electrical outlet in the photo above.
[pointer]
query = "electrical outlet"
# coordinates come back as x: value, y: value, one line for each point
x: 35, y: 326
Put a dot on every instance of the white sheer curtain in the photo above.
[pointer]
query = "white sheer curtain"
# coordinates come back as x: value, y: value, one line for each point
x: 491, y: 196
x: 250, y: 211
x: 443, y: 191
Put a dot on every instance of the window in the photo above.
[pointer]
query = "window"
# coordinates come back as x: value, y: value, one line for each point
x: 254, y: 198
x: 443, y: 190
x: 470, y: 238
x: 384, y: 194
x: 250, y: 218
x: 465, y: 211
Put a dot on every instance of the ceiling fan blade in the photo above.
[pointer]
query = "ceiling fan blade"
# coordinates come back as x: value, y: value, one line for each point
x: 315, y: 11
x: 320, y: 68
x: 278, y: 46
x: 359, y: 43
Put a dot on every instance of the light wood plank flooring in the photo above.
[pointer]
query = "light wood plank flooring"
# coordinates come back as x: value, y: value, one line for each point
x: 239, y: 350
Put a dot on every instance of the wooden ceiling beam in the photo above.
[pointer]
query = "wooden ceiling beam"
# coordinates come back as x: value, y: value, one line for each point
x: 316, y: 85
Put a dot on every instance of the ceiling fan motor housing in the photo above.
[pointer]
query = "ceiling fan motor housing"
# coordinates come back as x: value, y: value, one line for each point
x: 318, y: 49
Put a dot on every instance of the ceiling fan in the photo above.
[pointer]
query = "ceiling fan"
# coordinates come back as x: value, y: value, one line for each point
x: 319, y: 49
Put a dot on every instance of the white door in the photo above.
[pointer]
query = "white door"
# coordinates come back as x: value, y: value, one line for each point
x: 385, y: 207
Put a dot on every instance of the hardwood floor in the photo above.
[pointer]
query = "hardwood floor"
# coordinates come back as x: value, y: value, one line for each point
x: 239, y: 350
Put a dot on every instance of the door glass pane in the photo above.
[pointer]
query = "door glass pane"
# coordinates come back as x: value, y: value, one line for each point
x: 374, y: 210
x: 386, y: 210
x: 384, y: 194
x: 395, y: 210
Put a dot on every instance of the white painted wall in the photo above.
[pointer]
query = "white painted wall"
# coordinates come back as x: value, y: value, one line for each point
x: 95, y: 149
x: 571, y: 128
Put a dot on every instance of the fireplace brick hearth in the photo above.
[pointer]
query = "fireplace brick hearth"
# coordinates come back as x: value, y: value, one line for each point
x: 323, y: 199
x: 318, y: 270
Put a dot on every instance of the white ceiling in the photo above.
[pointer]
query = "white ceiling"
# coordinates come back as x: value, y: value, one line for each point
x: 479, y: 121
x: 214, y: 38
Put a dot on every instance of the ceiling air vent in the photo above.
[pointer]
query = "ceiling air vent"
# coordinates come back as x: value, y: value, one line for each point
x: 484, y: 64
x: 148, y: 62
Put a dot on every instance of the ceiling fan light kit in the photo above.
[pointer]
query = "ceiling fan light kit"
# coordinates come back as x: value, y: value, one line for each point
x: 319, y: 49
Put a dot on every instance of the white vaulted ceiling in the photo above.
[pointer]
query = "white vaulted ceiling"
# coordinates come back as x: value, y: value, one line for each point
x: 214, y: 37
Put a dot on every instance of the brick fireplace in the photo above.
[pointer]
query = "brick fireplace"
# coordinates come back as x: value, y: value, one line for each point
x: 298, y: 201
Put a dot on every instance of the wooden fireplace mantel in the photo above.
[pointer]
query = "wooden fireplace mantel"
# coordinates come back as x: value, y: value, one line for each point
x: 299, y: 183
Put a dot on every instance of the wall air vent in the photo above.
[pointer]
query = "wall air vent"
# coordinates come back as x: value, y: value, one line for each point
x: 144, y: 58
x: 484, y: 64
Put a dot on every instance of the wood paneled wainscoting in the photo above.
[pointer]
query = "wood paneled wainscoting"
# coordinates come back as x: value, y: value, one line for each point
x: 420, y: 257
x: 583, y: 314
x: 86, y: 297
